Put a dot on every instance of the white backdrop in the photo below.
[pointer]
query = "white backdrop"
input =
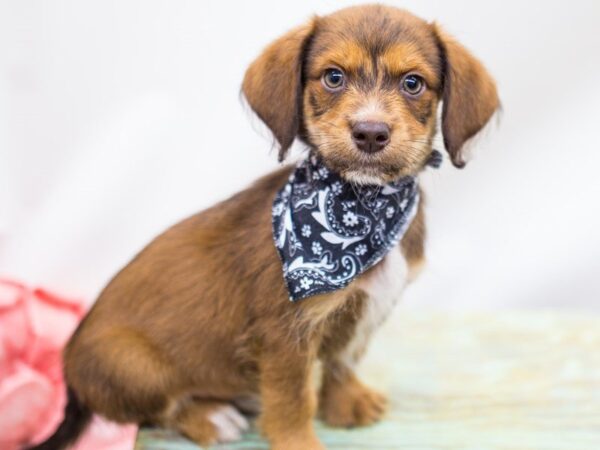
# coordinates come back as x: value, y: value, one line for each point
x: 118, y: 118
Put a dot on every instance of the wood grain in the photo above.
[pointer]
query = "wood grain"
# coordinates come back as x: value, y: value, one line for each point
x: 506, y: 381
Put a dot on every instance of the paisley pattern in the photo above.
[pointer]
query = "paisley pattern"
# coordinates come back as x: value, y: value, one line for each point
x: 327, y: 231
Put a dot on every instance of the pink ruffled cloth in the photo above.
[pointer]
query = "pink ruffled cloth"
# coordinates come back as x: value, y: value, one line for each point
x: 34, y: 327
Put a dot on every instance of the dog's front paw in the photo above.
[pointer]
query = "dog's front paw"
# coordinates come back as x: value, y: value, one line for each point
x: 311, y: 443
x: 351, y: 404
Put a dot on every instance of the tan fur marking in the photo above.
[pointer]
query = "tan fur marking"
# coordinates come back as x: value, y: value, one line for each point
x: 404, y: 58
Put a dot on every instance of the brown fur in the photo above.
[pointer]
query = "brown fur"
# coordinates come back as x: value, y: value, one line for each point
x: 200, y: 318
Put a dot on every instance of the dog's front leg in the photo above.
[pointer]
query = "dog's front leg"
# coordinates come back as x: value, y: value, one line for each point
x: 344, y: 401
x: 288, y: 399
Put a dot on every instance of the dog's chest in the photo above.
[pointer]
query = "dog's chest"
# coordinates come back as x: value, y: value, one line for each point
x: 384, y: 286
x: 386, y: 282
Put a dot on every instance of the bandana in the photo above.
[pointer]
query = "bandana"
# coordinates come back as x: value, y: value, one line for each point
x: 328, y: 231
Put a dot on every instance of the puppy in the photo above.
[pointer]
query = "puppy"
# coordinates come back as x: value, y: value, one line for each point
x: 199, y: 330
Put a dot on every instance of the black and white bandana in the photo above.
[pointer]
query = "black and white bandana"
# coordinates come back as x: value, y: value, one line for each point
x: 328, y: 231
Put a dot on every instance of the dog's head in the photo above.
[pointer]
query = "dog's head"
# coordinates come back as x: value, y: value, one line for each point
x: 362, y: 86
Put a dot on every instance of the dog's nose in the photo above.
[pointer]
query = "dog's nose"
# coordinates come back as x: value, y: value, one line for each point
x: 370, y: 137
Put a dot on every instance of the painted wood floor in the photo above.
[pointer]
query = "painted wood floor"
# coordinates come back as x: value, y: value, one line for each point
x: 505, y: 381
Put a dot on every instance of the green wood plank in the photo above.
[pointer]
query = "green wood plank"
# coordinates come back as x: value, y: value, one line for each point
x: 380, y: 436
x: 510, y: 381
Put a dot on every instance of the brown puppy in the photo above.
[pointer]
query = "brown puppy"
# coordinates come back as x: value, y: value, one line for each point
x: 198, y: 327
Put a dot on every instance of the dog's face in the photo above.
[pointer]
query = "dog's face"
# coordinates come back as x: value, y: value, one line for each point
x: 371, y: 86
x: 362, y: 86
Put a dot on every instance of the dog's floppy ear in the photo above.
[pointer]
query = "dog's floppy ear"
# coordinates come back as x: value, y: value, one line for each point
x: 273, y: 85
x: 469, y: 96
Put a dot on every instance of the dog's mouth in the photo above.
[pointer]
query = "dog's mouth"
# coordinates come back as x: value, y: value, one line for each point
x: 366, y: 171
x: 391, y: 163
x: 364, y: 177
x: 370, y: 175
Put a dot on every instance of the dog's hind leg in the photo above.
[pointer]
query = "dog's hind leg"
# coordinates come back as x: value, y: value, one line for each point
x: 206, y: 422
x: 119, y: 373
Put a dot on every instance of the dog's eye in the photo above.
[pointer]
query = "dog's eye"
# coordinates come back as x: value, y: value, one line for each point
x: 333, y: 79
x: 413, y: 84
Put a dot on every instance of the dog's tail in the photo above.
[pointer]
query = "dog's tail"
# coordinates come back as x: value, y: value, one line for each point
x: 77, y: 417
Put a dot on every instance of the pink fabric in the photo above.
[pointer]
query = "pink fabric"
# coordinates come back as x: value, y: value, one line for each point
x: 34, y: 327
